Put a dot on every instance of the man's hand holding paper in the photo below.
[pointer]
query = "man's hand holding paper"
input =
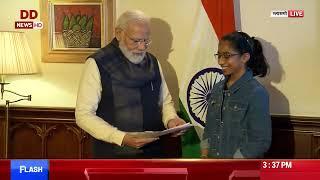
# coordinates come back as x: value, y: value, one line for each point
x: 175, y: 123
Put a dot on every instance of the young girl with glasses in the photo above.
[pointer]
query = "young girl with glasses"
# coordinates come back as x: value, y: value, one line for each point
x: 238, y: 120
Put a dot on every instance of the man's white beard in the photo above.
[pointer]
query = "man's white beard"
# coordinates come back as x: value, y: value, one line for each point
x: 134, y: 58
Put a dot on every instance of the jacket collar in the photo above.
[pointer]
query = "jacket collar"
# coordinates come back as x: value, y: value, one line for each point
x: 115, y: 42
x: 248, y: 75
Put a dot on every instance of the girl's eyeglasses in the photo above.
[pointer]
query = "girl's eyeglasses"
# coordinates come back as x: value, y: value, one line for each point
x: 225, y: 55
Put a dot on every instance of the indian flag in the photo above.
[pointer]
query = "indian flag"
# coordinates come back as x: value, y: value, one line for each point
x: 214, y: 19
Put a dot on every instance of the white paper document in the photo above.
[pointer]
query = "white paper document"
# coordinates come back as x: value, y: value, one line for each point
x: 155, y: 134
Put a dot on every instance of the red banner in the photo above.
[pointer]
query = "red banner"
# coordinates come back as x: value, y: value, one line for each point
x: 191, y: 169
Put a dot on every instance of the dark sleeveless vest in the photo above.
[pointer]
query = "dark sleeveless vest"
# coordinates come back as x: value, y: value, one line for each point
x: 129, y: 101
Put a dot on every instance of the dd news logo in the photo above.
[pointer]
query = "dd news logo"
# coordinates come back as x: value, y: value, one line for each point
x: 287, y: 13
x: 28, y: 16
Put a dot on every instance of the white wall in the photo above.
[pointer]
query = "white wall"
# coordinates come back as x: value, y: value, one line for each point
x: 292, y: 46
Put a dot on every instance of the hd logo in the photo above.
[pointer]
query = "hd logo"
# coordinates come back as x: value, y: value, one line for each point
x: 31, y: 15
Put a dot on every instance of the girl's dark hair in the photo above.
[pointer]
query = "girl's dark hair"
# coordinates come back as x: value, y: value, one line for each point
x: 243, y: 43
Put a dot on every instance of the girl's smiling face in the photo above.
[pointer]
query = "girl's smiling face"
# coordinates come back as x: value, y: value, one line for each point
x: 231, y: 61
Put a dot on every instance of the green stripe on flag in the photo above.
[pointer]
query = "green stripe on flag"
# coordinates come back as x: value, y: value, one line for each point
x: 190, y: 140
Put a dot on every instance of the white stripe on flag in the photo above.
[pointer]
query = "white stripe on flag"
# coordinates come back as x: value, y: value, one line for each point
x: 203, y: 45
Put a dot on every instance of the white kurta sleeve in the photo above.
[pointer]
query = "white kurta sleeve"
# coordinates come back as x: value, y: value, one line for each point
x: 168, y: 110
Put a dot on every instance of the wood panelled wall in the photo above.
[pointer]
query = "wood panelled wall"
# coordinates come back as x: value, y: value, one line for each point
x: 45, y: 133
x: 295, y: 137
x: 50, y: 133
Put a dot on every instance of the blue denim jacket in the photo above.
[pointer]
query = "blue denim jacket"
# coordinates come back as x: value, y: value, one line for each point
x: 238, y: 119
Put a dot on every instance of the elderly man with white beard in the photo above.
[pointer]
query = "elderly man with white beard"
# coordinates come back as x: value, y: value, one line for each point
x: 122, y: 90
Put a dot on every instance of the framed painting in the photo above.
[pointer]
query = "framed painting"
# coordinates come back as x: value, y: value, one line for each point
x: 74, y: 29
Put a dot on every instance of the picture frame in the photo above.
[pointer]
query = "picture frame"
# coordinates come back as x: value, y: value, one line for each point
x: 74, y: 29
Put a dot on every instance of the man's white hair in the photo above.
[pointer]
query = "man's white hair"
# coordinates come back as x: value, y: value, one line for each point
x: 129, y: 16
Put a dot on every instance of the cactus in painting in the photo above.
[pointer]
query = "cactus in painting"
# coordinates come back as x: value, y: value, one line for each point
x: 77, y: 30
x: 89, y: 26
x: 65, y: 25
x: 78, y: 22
